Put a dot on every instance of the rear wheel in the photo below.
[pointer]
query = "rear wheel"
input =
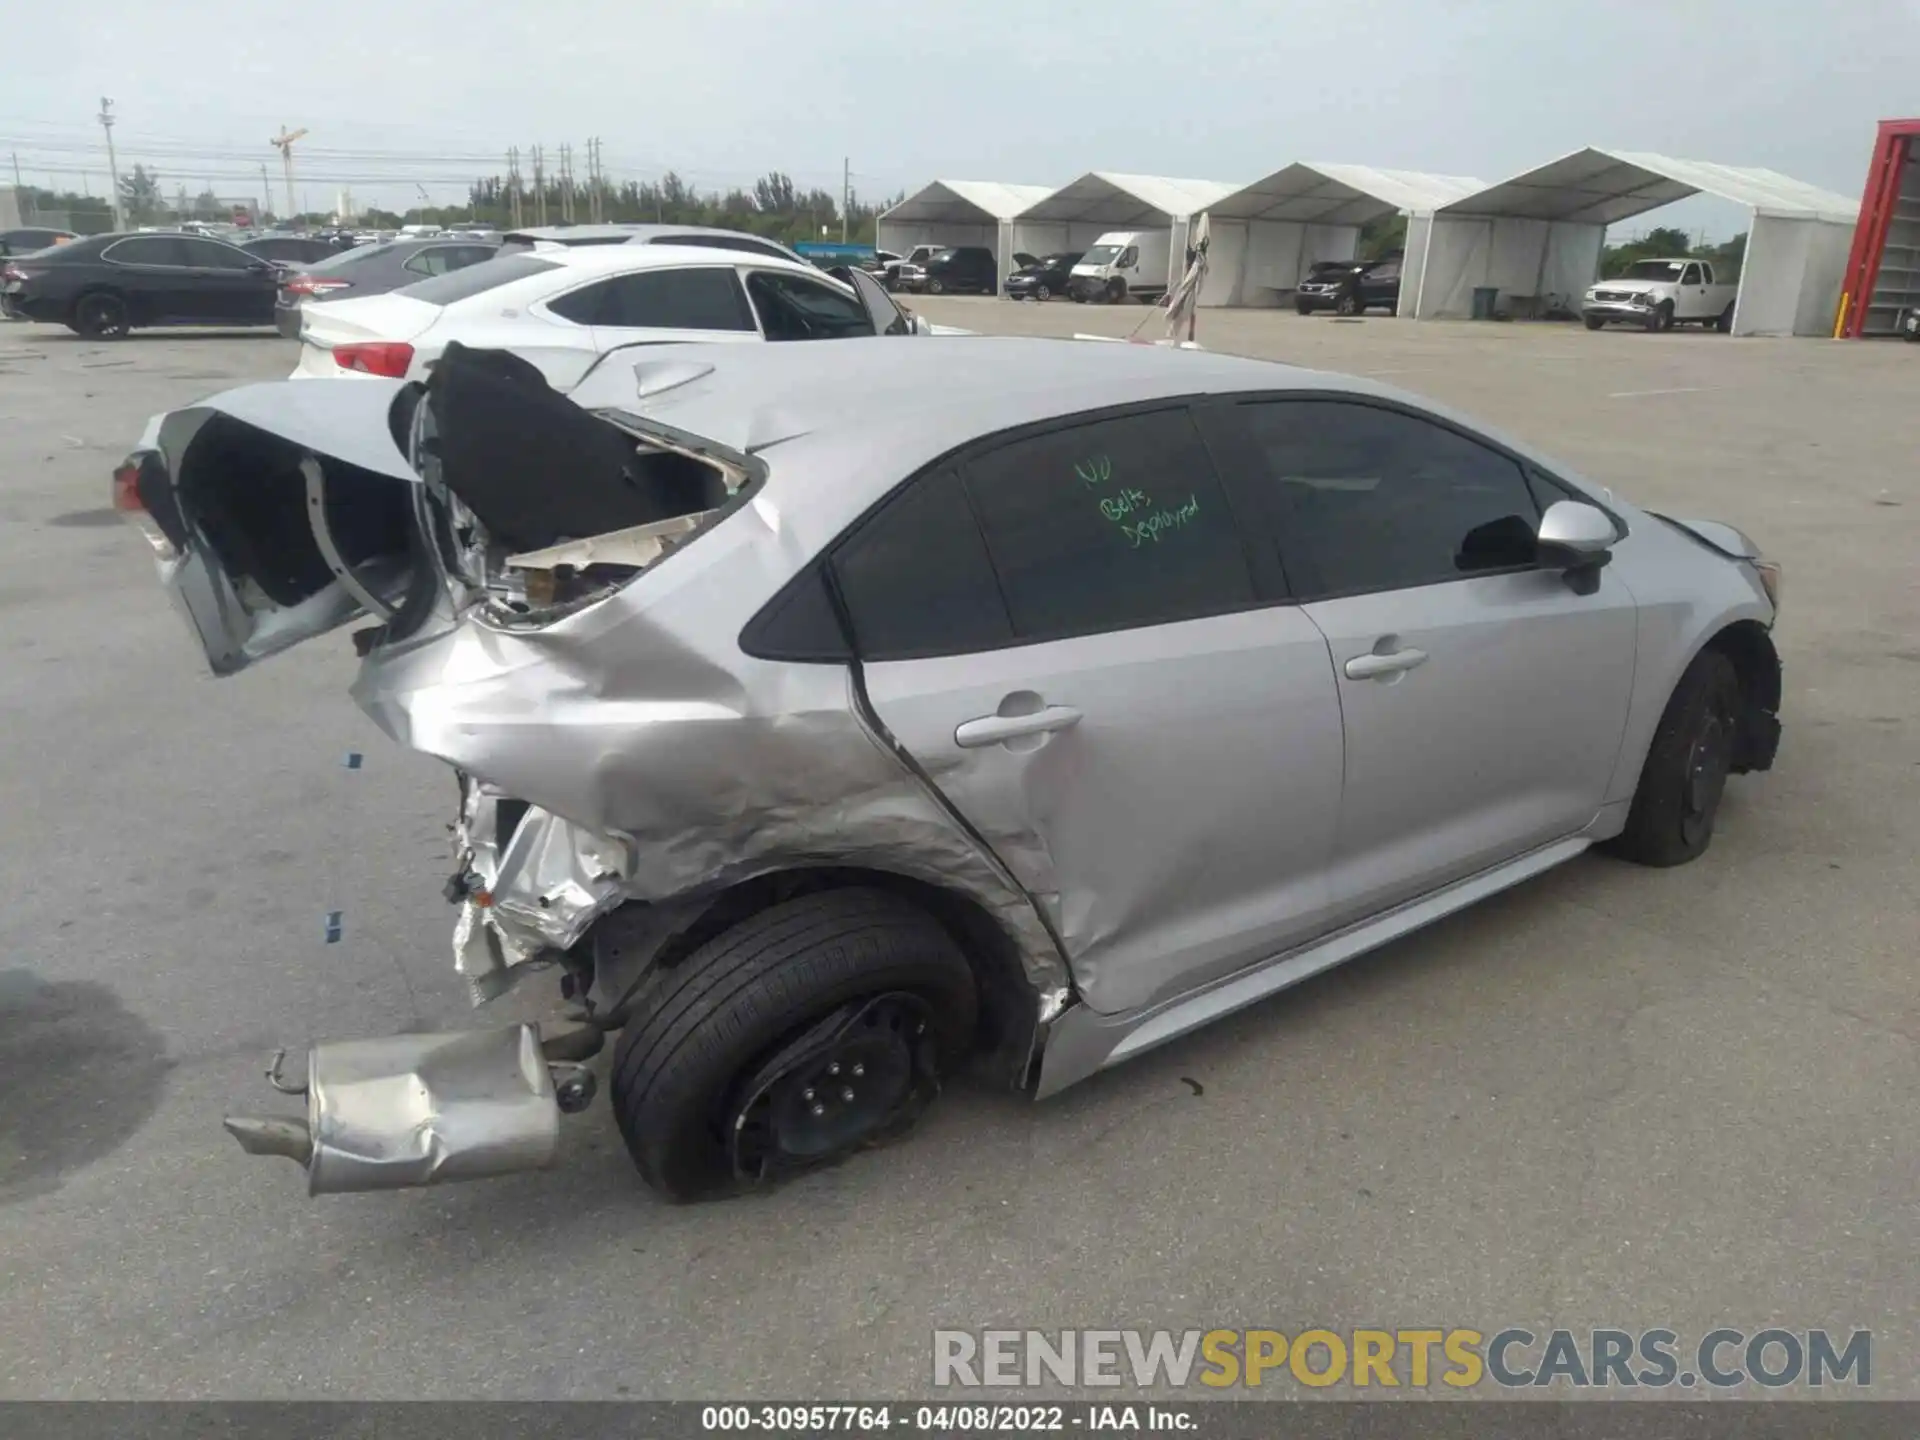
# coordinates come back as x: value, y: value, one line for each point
x: 805, y: 1033
x: 102, y: 316
x: 1686, y: 771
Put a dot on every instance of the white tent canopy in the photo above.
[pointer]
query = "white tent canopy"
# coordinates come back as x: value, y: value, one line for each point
x: 1540, y: 233
x: 1267, y: 235
x: 958, y: 212
x: 1077, y: 214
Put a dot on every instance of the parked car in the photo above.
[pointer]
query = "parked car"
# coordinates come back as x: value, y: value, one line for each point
x: 290, y: 249
x: 1044, y: 277
x: 1123, y: 265
x: 817, y: 751
x: 904, y: 272
x: 105, y: 286
x: 556, y: 237
x: 371, y: 270
x: 1659, y: 294
x: 1350, y: 287
x: 26, y: 239
x: 560, y: 309
x: 951, y: 269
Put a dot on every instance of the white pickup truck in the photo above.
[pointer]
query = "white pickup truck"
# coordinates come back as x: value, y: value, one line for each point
x: 1659, y: 294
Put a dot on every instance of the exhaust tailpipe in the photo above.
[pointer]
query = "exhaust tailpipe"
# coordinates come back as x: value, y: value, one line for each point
x: 417, y: 1110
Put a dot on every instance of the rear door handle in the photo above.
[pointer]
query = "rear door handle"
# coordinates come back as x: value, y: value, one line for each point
x: 997, y: 729
x: 1375, y: 667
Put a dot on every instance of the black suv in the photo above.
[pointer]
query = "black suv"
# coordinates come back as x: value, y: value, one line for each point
x: 963, y: 269
x: 1350, y: 287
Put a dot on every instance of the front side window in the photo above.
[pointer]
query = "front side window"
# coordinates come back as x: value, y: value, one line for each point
x: 1363, y: 498
x: 793, y: 307
x: 1110, y: 524
x: 1129, y: 258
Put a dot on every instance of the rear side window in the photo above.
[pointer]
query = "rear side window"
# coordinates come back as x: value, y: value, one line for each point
x: 476, y: 279
x: 706, y: 298
x: 440, y: 259
x: 1109, y: 525
x: 916, y: 579
x: 146, y: 250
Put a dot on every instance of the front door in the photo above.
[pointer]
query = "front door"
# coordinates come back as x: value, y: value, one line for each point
x: 1484, y: 699
x: 1067, y: 634
x: 1692, y: 302
x: 227, y: 285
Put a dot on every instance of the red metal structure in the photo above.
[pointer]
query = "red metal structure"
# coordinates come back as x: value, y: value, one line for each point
x: 1883, y: 271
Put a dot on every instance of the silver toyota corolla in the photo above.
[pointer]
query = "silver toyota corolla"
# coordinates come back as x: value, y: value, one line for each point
x: 828, y: 715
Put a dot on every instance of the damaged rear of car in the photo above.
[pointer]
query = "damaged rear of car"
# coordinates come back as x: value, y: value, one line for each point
x: 666, y: 823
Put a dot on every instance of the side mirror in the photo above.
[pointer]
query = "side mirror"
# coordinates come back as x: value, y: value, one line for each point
x: 1575, y: 536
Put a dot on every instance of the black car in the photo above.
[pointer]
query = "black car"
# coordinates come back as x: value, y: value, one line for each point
x: 1350, y: 287
x: 1043, y: 278
x: 961, y: 270
x: 290, y: 249
x: 371, y: 270
x: 29, y: 238
x: 106, y: 285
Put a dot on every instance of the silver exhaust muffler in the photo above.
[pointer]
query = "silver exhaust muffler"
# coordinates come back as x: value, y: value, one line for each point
x: 415, y: 1110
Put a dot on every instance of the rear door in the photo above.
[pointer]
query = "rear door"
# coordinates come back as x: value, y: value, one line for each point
x: 153, y: 271
x: 1483, y: 700
x: 1068, y: 634
x: 1381, y: 285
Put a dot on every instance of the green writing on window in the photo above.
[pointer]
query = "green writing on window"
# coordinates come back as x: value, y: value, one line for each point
x: 1149, y: 528
x: 1096, y: 471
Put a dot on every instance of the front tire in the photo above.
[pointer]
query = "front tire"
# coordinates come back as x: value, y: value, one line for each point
x: 1686, y: 771
x: 1594, y: 322
x: 703, y: 1029
x: 102, y: 316
x: 935, y: 287
x: 1661, y: 318
x: 1042, y: 293
x: 1348, y: 304
x: 1116, y: 291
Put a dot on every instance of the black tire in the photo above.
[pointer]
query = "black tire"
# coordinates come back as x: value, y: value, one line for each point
x: 1725, y: 323
x: 1116, y: 291
x: 935, y: 287
x: 699, y: 1029
x: 1041, y: 292
x: 1661, y: 318
x: 1301, y: 307
x: 1348, y: 304
x: 1594, y: 322
x: 1673, y: 812
x: 102, y: 315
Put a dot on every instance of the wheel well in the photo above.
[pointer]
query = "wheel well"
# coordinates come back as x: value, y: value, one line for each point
x: 1003, y: 1041
x: 1748, y: 645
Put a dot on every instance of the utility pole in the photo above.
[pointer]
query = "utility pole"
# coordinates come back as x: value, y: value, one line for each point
x: 513, y: 186
x: 113, y: 165
x: 566, y: 183
x: 266, y: 193
x: 539, y: 187
x: 284, y: 143
x: 20, y: 188
x: 596, y: 183
x: 846, y: 195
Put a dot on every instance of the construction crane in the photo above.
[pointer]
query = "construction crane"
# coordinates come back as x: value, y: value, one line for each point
x: 283, y: 142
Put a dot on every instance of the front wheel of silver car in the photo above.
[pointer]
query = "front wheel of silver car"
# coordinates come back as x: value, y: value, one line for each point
x: 801, y: 1035
x: 1685, y: 775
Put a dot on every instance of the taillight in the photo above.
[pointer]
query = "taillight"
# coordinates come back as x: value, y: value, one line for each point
x: 314, y: 285
x: 380, y: 357
x: 126, y: 500
x: 12, y: 272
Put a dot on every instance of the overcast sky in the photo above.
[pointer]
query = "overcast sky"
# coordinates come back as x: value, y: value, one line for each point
x: 1037, y: 92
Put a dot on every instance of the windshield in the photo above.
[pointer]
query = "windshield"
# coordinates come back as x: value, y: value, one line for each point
x: 476, y: 279
x: 1654, y: 270
x: 1101, y: 255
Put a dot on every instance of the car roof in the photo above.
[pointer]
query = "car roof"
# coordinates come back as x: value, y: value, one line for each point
x: 637, y: 234
x: 617, y: 259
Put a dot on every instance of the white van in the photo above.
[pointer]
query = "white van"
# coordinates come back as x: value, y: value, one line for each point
x: 1123, y: 263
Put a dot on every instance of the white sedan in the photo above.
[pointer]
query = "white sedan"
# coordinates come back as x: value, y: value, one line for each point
x: 562, y: 309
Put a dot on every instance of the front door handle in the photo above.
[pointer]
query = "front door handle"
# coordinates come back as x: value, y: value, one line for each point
x: 997, y: 729
x: 1376, y: 667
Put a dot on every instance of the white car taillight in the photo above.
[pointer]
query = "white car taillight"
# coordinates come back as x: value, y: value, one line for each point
x: 126, y: 500
x: 1769, y: 573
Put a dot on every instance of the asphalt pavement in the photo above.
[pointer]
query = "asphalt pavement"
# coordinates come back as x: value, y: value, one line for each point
x: 1614, y: 1096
